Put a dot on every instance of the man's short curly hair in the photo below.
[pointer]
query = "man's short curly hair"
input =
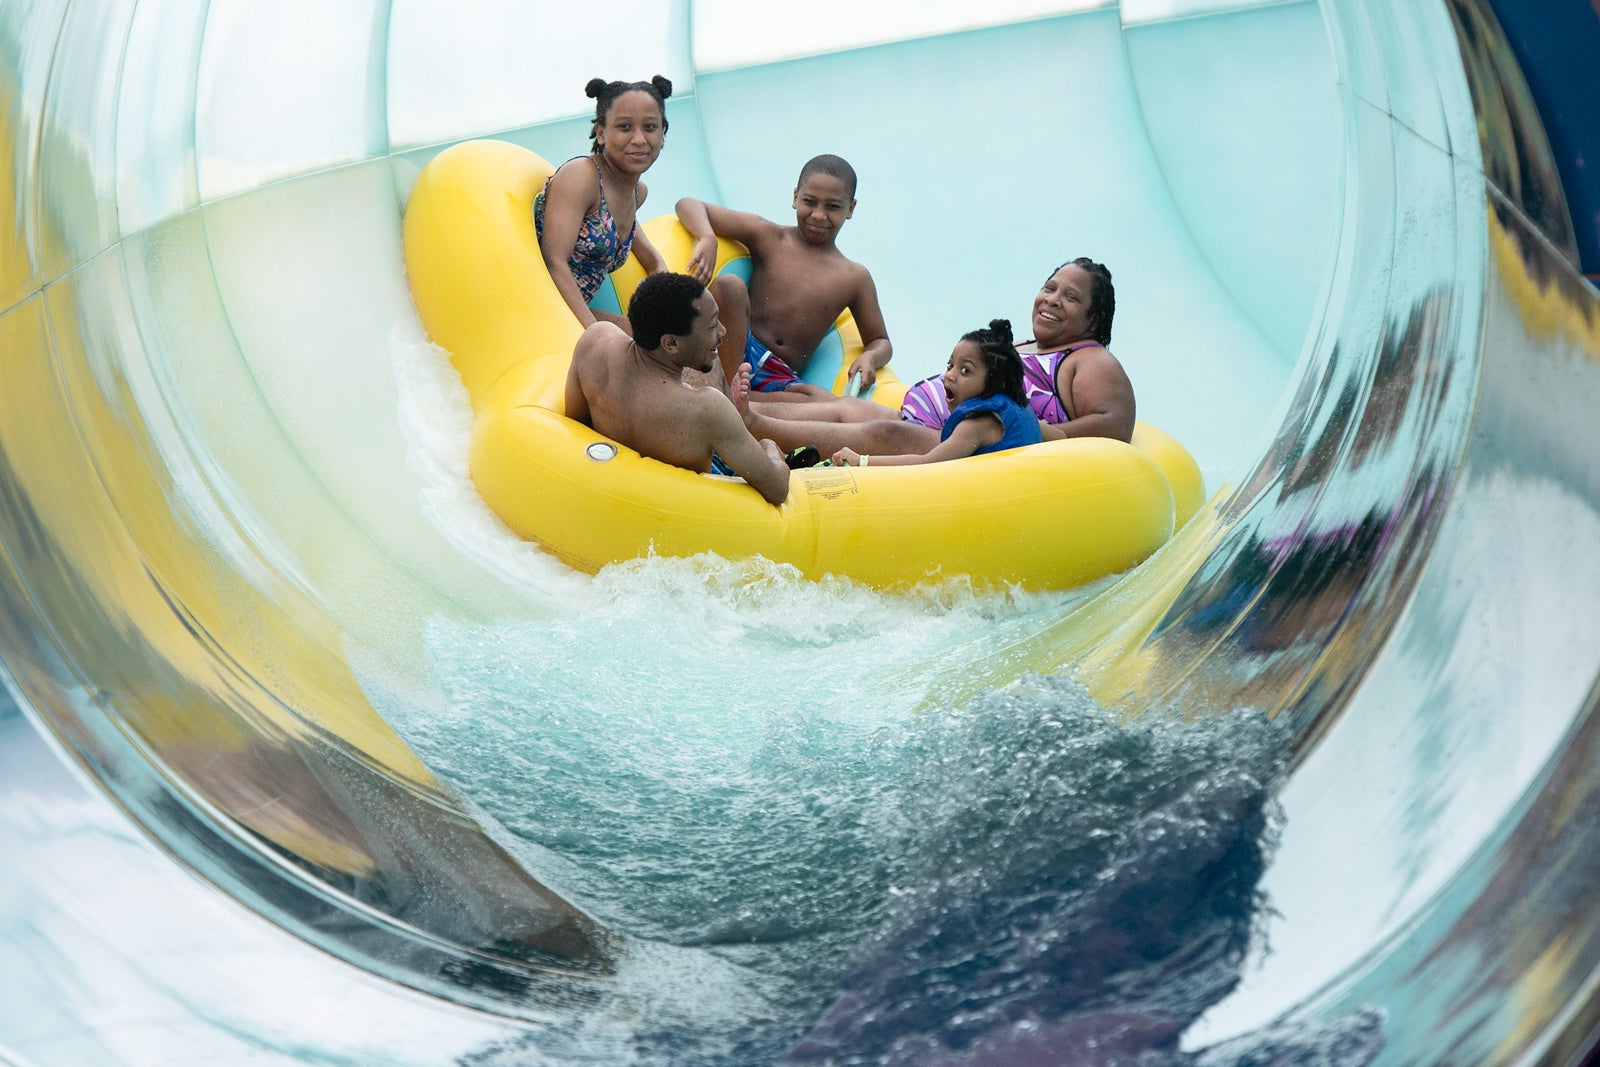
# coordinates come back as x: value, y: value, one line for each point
x: 663, y: 304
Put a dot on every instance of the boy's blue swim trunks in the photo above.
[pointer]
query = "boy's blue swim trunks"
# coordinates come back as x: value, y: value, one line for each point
x: 768, y: 372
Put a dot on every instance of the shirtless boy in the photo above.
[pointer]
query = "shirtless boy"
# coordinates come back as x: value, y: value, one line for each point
x: 630, y: 388
x: 799, y: 284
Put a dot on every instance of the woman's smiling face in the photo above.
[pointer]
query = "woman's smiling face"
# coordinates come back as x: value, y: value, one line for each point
x: 1061, y: 310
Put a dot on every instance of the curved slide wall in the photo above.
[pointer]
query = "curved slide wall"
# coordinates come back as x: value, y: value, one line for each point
x: 1346, y: 278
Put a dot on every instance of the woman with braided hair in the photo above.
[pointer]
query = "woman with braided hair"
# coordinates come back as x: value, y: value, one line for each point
x: 1074, y: 384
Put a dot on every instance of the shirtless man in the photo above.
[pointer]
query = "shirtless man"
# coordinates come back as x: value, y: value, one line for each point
x: 799, y: 284
x: 630, y: 389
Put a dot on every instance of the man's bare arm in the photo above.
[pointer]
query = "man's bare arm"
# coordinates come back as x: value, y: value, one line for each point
x: 577, y: 404
x: 757, y: 462
x: 583, y: 354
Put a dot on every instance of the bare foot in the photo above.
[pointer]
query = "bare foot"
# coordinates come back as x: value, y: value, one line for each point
x: 739, y: 390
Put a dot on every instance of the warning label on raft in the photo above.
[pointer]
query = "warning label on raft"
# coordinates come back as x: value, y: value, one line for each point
x: 828, y: 482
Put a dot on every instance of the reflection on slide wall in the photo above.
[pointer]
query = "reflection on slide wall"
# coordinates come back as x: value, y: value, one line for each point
x: 304, y: 760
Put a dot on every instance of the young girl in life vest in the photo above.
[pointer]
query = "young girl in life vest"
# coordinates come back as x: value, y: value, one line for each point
x: 989, y: 411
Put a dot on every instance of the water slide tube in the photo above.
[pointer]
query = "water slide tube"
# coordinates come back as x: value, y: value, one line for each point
x: 1350, y: 281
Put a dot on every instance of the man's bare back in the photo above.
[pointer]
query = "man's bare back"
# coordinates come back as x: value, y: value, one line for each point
x: 636, y: 396
x: 634, y: 400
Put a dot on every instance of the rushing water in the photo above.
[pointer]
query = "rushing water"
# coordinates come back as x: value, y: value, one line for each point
x: 873, y: 882
x: 818, y: 851
x: 874, y: 877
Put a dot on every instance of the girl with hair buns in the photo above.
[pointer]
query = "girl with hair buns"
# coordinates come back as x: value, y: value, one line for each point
x: 989, y: 412
x: 587, y: 213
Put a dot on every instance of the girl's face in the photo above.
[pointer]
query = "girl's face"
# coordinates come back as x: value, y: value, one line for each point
x: 630, y: 140
x: 1061, y: 310
x: 966, y: 377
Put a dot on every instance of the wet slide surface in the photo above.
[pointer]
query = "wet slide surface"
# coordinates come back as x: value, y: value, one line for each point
x: 304, y: 759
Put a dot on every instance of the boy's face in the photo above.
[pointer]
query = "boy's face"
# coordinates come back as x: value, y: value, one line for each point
x: 821, y: 204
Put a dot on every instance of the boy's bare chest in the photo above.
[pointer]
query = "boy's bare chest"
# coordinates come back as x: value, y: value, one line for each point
x: 799, y: 281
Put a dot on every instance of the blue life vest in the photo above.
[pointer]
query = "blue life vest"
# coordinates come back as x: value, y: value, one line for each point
x: 1020, y: 424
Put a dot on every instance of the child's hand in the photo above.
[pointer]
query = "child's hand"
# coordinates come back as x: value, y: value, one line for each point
x: 867, y: 371
x: 847, y: 457
x: 704, y: 259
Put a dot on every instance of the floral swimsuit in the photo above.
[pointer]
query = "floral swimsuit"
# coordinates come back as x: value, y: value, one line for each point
x: 598, y: 250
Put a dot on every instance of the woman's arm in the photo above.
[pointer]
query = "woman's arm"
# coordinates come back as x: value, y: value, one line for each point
x: 649, y: 257
x: 647, y: 254
x: 571, y: 195
x: 1101, y: 398
x: 970, y: 434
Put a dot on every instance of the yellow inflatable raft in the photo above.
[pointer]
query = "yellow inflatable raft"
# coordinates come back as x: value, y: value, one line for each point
x: 1050, y: 516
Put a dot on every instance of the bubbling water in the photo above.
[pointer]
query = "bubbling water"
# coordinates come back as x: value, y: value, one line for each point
x: 763, y: 784
x: 871, y: 867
